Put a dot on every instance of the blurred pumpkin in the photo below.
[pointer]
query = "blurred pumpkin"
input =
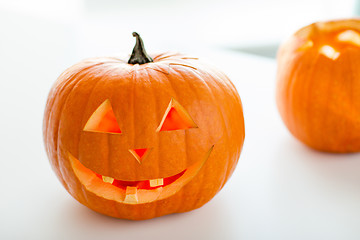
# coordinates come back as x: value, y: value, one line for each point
x: 143, y: 138
x: 318, y: 85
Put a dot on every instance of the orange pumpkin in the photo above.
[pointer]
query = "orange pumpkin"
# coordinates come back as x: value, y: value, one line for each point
x: 138, y: 140
x: 318, y: 85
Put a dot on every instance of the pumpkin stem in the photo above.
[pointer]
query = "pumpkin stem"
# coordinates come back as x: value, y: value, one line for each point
x: 139, y: 55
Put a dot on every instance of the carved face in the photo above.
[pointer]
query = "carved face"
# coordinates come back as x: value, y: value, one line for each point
x: 130, y: 191
x: 317, y: 85
x: 140, y: 141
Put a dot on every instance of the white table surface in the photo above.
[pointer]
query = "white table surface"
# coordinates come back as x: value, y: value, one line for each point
x: 279, y: 190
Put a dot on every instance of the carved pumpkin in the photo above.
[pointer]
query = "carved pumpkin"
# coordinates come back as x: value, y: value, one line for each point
x: 318, y: 85
x: 146, y: 138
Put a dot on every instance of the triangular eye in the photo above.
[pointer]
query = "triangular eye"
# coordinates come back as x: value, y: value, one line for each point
x: 103, y: 120
x: 176, y: 118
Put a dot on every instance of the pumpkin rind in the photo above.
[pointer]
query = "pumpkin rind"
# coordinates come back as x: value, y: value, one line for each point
x: 318, y: 87
x: 139, y: 96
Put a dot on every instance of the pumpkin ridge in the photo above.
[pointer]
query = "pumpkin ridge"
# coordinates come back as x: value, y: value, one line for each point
x: 172, y: 92
x: 51, y: 100
x: 100, y: 80
x: 308, y: 117
x: 292, y: 85
x: 169, y: 78
x: 157, y: 163
x: 109, y: 140
x: 220, y: 111
x: 185, y: 145
x: 156, y: 145
x: 57, y: 132
x: 200, y: 177
x: 223, y: 89
x: 352, y: 96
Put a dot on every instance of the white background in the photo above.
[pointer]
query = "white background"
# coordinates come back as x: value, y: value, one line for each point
x: 280, y: 188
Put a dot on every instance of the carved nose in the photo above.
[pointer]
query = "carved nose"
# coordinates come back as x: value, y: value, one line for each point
x: 139, y: 153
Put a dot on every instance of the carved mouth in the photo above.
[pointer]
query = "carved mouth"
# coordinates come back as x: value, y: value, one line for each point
x: 135, y: 192
x: 147, y: 184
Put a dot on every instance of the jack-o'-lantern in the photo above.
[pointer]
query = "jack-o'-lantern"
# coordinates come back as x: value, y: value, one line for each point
x: 144, y: 138
x: 318, y: 85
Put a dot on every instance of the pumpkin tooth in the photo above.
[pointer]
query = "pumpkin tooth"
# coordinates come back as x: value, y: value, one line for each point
x: 329, y: 52
x: 156, y: 182
x: 306, y: 45
x: 108, y: 179
x: 349, y: 36
x: 131, y: 195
